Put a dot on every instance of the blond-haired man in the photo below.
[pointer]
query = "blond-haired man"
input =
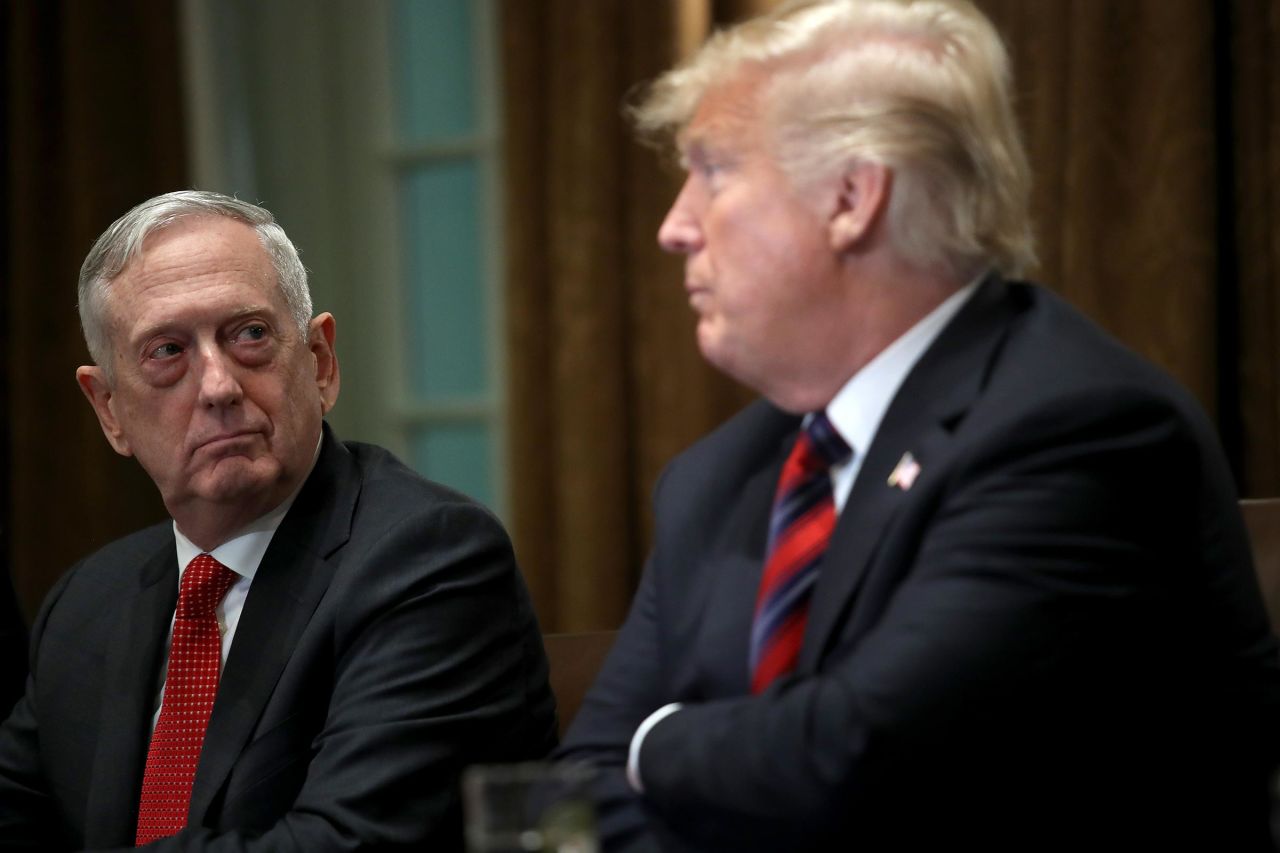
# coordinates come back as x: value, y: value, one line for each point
x: 972, y: 572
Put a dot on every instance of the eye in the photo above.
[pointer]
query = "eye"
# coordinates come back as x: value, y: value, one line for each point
x: 251, y: 332
x: 165, y: 350
x: 700, y: 162
x: 713, y: 173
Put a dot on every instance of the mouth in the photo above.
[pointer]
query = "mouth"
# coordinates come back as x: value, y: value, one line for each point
x: 226, y: 441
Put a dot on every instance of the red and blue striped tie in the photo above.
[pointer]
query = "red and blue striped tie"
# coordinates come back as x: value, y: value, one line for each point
x: 799, y: 528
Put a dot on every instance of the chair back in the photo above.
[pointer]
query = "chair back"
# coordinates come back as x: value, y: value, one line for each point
x: 1262, y: 517
x: 574, y: 660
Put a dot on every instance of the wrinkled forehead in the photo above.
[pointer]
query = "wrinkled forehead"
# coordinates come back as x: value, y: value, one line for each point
x: 203, y: 234
x: 185, y: 258
x: 199, y: 244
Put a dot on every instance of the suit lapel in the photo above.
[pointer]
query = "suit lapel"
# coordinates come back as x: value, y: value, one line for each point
x: 921, y: 419
x: 134, y: 653
x: 740, y: 557
x: 286, y: 590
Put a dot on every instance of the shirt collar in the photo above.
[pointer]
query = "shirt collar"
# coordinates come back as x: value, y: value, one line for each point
x: 243, y: 552
x: 858, y: 407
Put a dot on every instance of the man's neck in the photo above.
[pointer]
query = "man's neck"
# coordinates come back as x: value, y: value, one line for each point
x: 209, y: 525
x: 884, y: 304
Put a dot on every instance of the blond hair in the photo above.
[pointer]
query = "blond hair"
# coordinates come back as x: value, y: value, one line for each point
x: 920, y: 86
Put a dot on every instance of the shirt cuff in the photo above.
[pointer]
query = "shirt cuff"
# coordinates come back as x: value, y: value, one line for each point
x: 633, y: 754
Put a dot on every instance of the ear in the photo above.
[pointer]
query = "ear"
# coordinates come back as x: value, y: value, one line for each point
x: 93, y: 382
x: 863, y: 196
x: 320, y: 341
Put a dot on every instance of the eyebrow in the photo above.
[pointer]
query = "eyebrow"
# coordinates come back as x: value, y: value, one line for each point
x: 701, y: 146
x: 161, y: 327
x: 695, y: 141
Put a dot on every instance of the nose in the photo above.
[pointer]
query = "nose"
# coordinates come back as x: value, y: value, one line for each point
x: 680, y: 232
x: 218, y: 384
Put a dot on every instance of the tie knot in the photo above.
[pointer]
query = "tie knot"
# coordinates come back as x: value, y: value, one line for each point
x: 204, y: 582
x: 824, y: 446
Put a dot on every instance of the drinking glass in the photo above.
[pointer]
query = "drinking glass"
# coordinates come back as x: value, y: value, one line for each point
x: 529, y: 808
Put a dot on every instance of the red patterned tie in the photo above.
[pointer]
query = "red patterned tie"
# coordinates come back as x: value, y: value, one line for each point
x: 190, y: 684
x: 799, y: 529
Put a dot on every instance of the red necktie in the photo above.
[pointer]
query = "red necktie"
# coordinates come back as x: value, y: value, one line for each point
x: 191, y: 682
x: 799, y: 529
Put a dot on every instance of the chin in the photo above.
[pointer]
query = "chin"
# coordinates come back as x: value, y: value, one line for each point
x: 748, y: 372
x: 239, y: 479
x: 711, y: 345
x: 719, y: 355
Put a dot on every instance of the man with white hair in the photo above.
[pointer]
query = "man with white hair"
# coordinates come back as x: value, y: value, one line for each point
x: 307, y: 656
x: 971, y: 572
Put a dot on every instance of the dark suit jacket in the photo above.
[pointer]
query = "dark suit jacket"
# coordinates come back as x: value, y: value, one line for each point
x: 387, y: 641
x: 13, y: 641
x: 1053, y: 639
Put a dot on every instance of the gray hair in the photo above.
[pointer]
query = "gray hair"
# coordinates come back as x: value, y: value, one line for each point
x: 921, y: 86
x: 122, y: 242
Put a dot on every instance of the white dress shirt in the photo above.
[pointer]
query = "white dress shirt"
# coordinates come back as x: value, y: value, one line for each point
x: 242, y: 554
x: 855, y: 411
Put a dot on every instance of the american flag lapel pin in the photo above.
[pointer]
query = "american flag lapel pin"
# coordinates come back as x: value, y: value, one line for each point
x: 905, y: 472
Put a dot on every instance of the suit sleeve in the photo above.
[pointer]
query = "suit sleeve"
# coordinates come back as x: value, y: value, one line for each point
x: 13, y: 646
x: 432, y: 671
x: 627, y: 690
x: 1039, y: 558
x: 27, y: 809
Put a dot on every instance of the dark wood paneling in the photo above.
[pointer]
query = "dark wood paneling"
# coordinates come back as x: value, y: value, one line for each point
x: 94, y: 126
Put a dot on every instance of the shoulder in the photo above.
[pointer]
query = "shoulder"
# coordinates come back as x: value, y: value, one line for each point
x: 1064, y: 394
x: 721, y: 474
x: 110, y: 574
x: 122, y: 560
x: 714, y: 468
x: 746, y: 440
x: 398, y: 505
x: 1057, y: 359
x: 391, y: 487
x: 415, y: 545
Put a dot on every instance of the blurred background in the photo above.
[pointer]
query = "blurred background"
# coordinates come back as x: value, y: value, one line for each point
x: 464, y: 190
